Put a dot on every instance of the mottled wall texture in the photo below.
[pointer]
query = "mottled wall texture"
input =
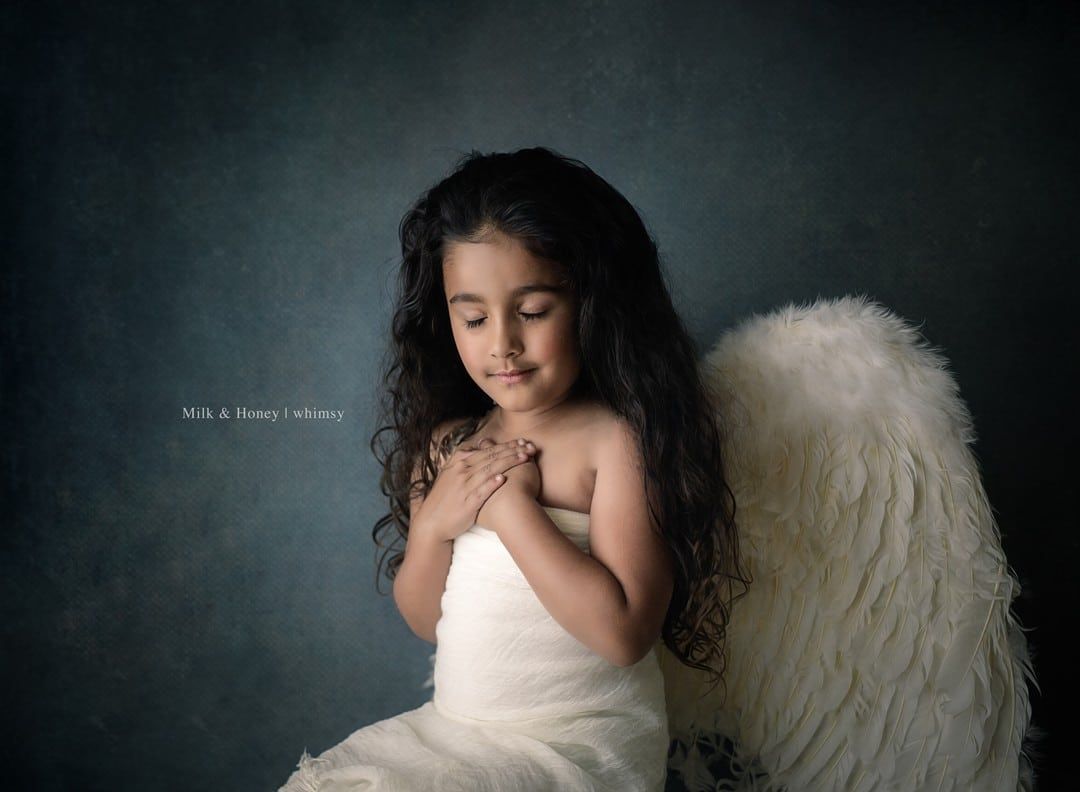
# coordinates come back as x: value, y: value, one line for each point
x: 202, y: 211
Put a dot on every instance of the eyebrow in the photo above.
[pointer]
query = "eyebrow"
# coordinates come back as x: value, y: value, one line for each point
x: 528, y: 288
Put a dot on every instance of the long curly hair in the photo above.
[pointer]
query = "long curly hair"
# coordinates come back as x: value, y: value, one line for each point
x: 637, y: 358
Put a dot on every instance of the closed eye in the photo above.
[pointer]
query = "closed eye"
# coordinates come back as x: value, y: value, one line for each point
x: 528, y: 317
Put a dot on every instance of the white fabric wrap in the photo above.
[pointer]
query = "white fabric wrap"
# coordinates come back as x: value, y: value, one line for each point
x: 519, y: 703
x: 502, y: 659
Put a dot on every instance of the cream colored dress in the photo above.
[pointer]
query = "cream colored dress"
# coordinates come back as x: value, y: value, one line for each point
x: 519, y: 704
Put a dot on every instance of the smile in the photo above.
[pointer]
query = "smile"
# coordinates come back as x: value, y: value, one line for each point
x: 510, y: 379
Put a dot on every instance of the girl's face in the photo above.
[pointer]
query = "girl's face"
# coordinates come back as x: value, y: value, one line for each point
x: 508, y: 311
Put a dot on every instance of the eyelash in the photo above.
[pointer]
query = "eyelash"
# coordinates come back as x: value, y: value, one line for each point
x: 529, y: 317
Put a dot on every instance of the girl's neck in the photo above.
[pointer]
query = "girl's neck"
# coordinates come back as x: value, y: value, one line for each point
x: 521, y: 424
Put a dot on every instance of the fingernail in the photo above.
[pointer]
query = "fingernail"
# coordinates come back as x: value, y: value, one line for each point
x: 531, y: 447
x: 521, y: 441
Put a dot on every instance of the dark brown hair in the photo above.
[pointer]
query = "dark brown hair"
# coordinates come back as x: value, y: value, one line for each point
x: 637, y: 358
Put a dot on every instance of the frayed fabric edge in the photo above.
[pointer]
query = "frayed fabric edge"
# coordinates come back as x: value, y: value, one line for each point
x: 306, y: 777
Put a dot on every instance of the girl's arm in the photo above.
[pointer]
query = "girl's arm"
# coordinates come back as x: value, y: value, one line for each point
x: 421, y: 578
x: 614, y: 601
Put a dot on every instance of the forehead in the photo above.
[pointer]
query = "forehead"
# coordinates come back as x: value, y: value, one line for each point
x: 491, y: 270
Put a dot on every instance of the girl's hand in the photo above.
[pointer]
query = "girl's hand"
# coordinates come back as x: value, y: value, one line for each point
x: 522, y: 484
x: 472, y: 473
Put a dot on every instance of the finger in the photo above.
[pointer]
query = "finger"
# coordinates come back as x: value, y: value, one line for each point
x: 489, y: 442
x: 480, y: 493
x: 470, y: 447
x: 489, y: 457
x: 461, y: 453
x: 466, y: 451
x: 489, y: 485
x: 504, y: 460
x: 501, y: 454
x: 513, y: 456
x: 476, y: 445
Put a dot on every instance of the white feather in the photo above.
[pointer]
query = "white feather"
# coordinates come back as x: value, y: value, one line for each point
x: 875, y: 648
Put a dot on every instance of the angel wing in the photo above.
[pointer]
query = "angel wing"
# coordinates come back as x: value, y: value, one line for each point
x: 875, y: 648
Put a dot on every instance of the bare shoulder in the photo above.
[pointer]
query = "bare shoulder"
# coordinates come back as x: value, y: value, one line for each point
x: 592, y: 419
x: 613, y: 435
x: 441, y: 443
x: 617, y: 455
x: 445, y: 437
x: 446, y: 427
x: 438, y: 452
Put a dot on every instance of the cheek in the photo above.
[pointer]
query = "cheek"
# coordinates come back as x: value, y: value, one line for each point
x: 548, y: 346
x: 471, y: 352
x: 562, y: 343
x: 466, y: 350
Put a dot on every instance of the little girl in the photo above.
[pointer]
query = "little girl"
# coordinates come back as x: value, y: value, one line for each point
x: 555, y: 473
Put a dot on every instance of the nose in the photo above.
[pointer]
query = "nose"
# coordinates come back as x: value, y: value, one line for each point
x: 505, y: 341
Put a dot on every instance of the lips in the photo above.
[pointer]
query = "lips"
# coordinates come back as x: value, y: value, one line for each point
x: 517, y: 375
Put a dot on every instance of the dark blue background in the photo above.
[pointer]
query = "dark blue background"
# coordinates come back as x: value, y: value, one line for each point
x: 205, y: 199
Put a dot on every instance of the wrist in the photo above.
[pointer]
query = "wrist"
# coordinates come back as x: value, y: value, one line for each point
x: 501, y: 504
x: 427, y: 533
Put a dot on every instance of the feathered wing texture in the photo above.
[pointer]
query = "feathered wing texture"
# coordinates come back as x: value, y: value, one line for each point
x: 875, y: 648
